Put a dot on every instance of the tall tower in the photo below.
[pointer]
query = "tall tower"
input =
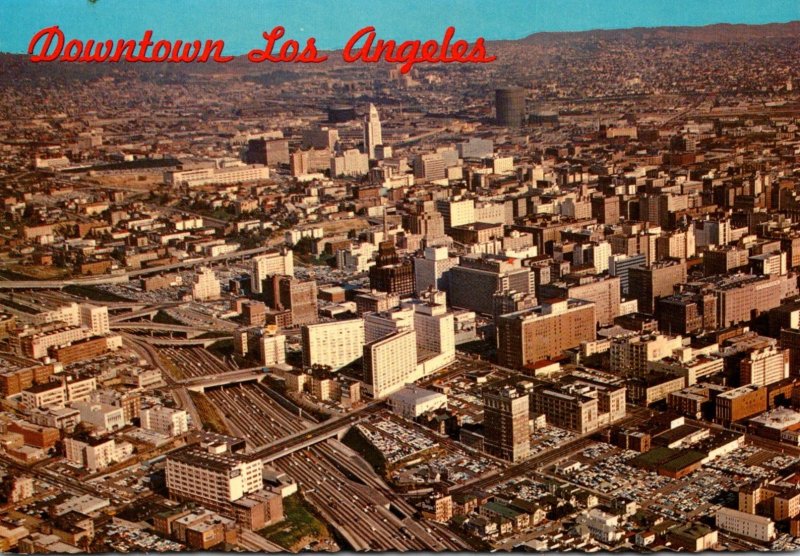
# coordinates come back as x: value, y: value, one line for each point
x: 372, y: 131
x: 505, y: 423
x: 510, y: 106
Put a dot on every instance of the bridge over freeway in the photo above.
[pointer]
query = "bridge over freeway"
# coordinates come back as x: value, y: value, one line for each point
x: 200, y: 383
x: 331, y: 428
x: 187, y: 331
x: 172, y: 342
x: 124, y: 277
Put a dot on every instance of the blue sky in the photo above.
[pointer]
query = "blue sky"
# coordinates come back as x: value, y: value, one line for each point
x: 241, y: 22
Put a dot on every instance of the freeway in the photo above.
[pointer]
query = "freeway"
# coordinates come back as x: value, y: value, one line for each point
x: 52, y: 477
x: 124, y: 277
x: 356, y: 509
x: 319, y: 432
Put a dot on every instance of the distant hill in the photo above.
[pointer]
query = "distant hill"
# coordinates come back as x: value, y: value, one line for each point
x: 720, y: 32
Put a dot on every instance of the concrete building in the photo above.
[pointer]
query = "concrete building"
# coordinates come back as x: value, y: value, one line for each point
x: 390, y: 363
x: 272, y: 348
x: 648, y: 284
x: 380, y: 325
x: 391, y: 274
x: 506, y: 423
x: 205, y: 286
x: 764, y: 366
x: 211, y: 475
x: 221, y: 176
x: 456, y: 212
x: 604, y: 292
x: 544, y: 332
x: 620, y: 265
x: 165, y: 420
x: 510, y: 106
x: 631, y: 355
x: 475, y: 280
x: 350, y: 163
x: 95, y: 318
x: 297, y: 297
x: 373, y: 301
x: 431, y: 270
x: 747, y: 525
x: 334, y: 344
x: 740, y: 403
x: 103, y: 416
x: 268, y: 264
x: 372, y: 131
x: 411, y: 402
x: 580, y: 404
x: 96, y: 454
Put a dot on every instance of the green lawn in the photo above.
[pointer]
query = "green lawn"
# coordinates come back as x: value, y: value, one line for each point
x: 299, y: 527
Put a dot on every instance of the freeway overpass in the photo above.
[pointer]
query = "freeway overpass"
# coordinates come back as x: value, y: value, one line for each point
x: 194, y: 342
x: 308, y: 437
x: 125, y: 277
x: 142, y: 311
x: 200, y: 383
x: 187, y: 331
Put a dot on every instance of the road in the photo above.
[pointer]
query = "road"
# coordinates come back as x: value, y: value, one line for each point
x: 124, y: 277
x: 358, y: 510
x: 250, y: 413
x: 52, y: 477
x: 329, y: 426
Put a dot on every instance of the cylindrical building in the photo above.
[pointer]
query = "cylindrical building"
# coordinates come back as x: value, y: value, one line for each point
x: 510, y: 106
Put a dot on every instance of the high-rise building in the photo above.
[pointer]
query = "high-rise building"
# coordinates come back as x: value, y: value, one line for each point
x: 272, y: 348
x: 456, y: 212
x: 648, y: 284
x: 206, y: 286
x: 476, y: 147
x: 372, y: 131
x: 764, y: 366
x: 580, y: 403
x: 278, y: 262
x: 95, y: 318
x: 510, y: 106
x: 350, y: 163
x: 544, y: 332
x: 390, y: 363
x: 435, y: 328
x: 429, y: 167
x: 604, y: 292
x: 431, y: 270
x: 631, y: 355
x: 687, y: 312
x: 375, y: 302
x: 380, y: 325
x: 475, y: 280
x: 334, y: 344
x: 286, y: 293
x: 390, y: 274
x: 506, y: 423
x: 320, y: 138
x: 213, y: 477
x: 620, y: 265
x: 270, y: 152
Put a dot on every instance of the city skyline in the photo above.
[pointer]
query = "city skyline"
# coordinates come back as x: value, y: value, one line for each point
x: 331, y: 25
x: 549, y: 303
